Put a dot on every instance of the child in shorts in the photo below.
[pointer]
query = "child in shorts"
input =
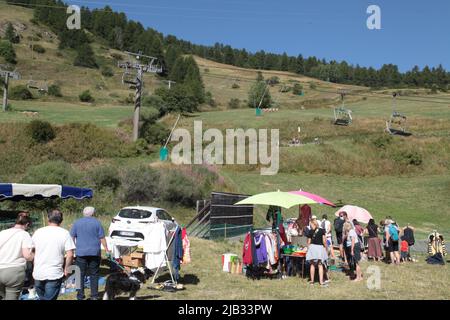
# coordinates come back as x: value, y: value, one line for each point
x: 404, y: 250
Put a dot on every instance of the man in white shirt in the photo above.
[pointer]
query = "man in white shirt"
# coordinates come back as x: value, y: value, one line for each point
x: 51, y: 244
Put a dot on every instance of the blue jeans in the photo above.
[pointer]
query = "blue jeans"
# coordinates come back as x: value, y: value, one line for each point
x: 89, y: 266
x: 48, y: 289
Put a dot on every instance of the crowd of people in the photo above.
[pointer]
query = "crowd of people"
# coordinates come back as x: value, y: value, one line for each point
x: 49, y: 253
x: 355, y: 242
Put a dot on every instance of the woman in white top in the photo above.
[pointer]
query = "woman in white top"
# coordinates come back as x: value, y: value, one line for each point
x: 15, y: 250
x: 353, y: 248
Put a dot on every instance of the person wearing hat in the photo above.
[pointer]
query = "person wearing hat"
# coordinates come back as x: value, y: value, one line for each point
x: 88, y: 235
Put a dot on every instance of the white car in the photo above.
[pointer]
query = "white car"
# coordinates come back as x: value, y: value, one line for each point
x: 130, y: 222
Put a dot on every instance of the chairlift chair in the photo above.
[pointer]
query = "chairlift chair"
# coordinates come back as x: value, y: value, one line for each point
x: 129, y: 78
x: 342, y: 116
x: 32, y: 84
x: 396, y: 125
x: 41, y: 87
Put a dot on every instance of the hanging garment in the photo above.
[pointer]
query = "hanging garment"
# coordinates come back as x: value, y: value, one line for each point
x: 247, y: 250
x: 186, y: 247
x: 178, y: 253
x: 270, y: 250
x: 155, y: 245
x: 272, y: 215
x: 408, y: 234
x: 436, y: 244
x: 273, y: 241
x: 282, y: 233
x: 260, y: 248
x: 304, y: 216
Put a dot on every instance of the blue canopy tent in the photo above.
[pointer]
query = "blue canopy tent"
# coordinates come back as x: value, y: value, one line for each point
x: 27, y: 192
x: 19, y: 192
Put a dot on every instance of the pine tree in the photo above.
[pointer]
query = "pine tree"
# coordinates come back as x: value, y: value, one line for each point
x: 229, y: 57
x: 171, y: 55
x: 10, y: 34
x: 193, y: 80
x: 7, y: 52
x: 85, y: 57
x: 178, y: 71
x: 284, y: 62
x: 300, y: 64
x: 156, y: 49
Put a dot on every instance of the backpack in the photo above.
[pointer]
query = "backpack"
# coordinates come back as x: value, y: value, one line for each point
x: 338, y: 225
x: 393, y: 232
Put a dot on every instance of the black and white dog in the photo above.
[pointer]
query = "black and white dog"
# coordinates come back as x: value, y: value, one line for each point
x: 119, y: 282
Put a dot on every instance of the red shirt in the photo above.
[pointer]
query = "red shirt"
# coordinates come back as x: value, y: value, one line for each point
x: 247, y: 250
x: 404, y: 246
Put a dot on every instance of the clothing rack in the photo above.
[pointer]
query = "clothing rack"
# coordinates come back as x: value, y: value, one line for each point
x: 277, y: 232
x: 167, y: 261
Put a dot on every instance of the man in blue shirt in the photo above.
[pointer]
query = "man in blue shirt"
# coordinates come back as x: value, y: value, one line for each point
x: 88, y: 234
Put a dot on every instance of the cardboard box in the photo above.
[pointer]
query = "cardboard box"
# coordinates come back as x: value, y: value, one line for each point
x: 131, y: 262
x: 137, y: 255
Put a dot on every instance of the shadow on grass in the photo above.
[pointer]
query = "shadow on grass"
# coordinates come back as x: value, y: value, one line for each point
x: 185, y: 279
x: 189, y: 279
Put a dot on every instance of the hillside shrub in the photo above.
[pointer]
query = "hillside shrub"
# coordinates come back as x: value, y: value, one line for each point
x: 107, y: 71
x: 273, y: 80
x: 209, y: 99
x: 297, y: 89
x: 234, y: 103
x: 51, y: 172
x: 408, y: 157
x: 187, y: 185
x: 86, y: 96
x: 155, y: 133
x: 140, y: 185
x: 105, y: 177
x: 38, y: 48
x: 235, y: 86
x: 55, y: 90
x: 41, y: 131
x: 78, y: 142
x: 382, y: 141
x: 257, y: 92
x: 20, y: 92
x: 177, y: 188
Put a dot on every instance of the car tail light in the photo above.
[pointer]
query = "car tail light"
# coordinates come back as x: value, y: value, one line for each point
x: 115, y: 220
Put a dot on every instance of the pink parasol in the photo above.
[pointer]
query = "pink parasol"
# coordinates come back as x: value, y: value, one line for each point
x: 313, y: 197
x: 354, y: 212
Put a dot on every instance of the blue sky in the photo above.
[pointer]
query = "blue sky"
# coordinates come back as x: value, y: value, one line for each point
x: 414, y: 32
